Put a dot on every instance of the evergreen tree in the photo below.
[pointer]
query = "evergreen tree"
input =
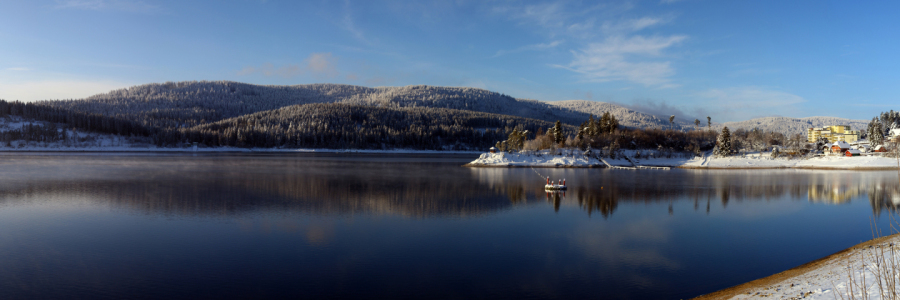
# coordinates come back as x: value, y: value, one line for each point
x: 557, y: 132
x: 875, y: 132
x: 723, y: 144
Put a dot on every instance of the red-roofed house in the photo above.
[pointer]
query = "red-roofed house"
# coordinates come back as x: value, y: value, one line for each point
x: 840, y: 147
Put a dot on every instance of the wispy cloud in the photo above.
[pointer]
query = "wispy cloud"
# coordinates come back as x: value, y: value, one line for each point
x: 605, y: 39
x: 348, y: 24
x: 620, y: 58
x: 631, y: 25
x: 318, y: 65
x: 534, y: 47
x: 17, y: 69
x: 135, y: 6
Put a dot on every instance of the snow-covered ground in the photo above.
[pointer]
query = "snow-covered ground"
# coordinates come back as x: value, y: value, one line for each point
x: 867, y: 271
x: 750, y: 161
x: 503, y: 159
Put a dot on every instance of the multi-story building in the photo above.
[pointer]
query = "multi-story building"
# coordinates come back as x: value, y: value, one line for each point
x: 833, y: 133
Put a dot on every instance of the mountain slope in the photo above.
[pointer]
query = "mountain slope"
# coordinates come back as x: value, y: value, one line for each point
x: 333, y: 125
x: 184, y: 104
x: 625, y: 116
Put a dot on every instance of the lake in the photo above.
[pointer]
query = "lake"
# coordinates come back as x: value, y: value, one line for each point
x: 314, y: 225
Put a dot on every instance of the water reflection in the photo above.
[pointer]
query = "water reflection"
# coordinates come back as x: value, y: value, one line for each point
x: 599, y: 190
x: 215, y: 186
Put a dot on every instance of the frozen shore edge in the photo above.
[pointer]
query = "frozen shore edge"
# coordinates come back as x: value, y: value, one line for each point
x: 819, y: 278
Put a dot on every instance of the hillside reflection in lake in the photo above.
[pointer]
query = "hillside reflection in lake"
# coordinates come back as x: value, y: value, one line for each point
x: 410, y: 226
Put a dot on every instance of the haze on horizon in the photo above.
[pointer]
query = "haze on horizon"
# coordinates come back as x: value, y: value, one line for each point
x: 729, y: 60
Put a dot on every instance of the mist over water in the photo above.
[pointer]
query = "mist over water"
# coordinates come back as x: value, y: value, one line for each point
x: 410, y: 226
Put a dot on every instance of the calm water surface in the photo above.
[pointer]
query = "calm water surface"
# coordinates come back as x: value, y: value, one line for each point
x: 410, y: 226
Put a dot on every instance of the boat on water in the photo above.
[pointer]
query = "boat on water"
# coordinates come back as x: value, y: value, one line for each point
x: 558, y: 186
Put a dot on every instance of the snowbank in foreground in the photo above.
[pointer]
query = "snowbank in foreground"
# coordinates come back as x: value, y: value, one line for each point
x: 831, y: 278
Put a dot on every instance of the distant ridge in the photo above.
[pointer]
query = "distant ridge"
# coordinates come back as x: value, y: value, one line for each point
x: 625, y: 116
x: 787, y: 125
x: 191, y: 103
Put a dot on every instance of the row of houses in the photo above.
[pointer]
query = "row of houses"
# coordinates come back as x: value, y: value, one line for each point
x: 855, y: 149
x: 846, y: 142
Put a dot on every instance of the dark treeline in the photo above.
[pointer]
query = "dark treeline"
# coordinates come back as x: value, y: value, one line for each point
x: 355, y: 127
x: 75, y: 119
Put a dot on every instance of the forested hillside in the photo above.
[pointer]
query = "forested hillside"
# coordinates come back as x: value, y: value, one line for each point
x: 323, y: 125
x: 186, y: 104
x: 625, y: 116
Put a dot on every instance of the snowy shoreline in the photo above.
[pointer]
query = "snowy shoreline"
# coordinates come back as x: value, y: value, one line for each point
x: 750, y: 161
x: 830, y: 277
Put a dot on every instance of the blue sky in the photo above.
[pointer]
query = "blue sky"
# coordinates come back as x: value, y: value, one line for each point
x: 731, y: 60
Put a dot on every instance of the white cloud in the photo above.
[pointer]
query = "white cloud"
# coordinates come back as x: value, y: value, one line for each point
x: 115, y: 5
x: 534, y: 47
x: 55, y: 89
x: 608, y: 48
x: 619, y: 58
x: 17, y: 69
x: 318, y: 65
x: 630, y: 25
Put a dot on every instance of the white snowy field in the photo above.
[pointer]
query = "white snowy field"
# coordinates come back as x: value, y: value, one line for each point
x: 870, y: 270
x: 751, y: 161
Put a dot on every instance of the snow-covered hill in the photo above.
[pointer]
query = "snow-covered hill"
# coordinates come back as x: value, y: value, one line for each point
x: 179, y: 104
x: 191, y: 103
x: 625, y: 116
x: 793, y: 125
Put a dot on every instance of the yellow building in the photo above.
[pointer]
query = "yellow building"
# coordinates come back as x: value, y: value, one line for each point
x: 833, y: 133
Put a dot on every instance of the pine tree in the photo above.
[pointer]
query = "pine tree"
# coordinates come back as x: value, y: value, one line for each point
x: 875, y: 132
x: 558, y: 135
x: 723, y: 144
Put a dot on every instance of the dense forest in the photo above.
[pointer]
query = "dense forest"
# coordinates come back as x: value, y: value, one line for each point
x: 356, y: 127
